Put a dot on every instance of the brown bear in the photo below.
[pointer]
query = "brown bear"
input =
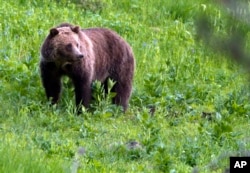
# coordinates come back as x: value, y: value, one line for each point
x: 86, y: 55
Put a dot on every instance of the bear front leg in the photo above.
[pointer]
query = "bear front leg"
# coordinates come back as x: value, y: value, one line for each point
x: 82, y: 93
x: 51, y: 81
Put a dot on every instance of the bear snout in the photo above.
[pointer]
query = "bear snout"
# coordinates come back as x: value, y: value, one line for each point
x: 80, y: 56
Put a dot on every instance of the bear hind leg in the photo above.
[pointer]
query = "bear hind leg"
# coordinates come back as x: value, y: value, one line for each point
x: 123, y: 92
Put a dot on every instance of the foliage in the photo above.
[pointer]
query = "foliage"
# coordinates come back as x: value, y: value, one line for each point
x: 189, y: 108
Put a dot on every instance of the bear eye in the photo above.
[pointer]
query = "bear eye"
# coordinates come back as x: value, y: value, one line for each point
x: 69, y: 46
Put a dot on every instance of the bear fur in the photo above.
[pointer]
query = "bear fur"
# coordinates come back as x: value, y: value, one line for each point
x: 86, y: 55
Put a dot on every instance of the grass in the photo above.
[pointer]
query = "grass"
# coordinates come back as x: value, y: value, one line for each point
x: 189, y: 108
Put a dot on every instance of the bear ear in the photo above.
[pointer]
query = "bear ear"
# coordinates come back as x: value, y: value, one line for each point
x: 76, y: 29
x: 53, y: 32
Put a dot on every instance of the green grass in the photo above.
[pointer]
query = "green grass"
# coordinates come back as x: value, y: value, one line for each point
x: 189, y: 108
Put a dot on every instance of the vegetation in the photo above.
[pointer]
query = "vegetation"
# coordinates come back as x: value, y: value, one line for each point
x: 189, y: 110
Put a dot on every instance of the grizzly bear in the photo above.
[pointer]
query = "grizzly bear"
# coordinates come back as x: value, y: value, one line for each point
x: 86, y: 55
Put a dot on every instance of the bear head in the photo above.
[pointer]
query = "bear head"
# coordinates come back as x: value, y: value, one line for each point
x: 63, y: 45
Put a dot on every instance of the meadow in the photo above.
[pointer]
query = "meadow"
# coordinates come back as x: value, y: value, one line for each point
x: 189, y: 110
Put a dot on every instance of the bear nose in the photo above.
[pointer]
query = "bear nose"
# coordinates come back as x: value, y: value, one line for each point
x: 80, y: 56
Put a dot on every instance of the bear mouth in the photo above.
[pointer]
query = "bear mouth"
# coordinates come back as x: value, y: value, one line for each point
x: 72, y: 61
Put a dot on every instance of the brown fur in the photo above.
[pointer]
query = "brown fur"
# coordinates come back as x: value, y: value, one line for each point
x: 86, y: 55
